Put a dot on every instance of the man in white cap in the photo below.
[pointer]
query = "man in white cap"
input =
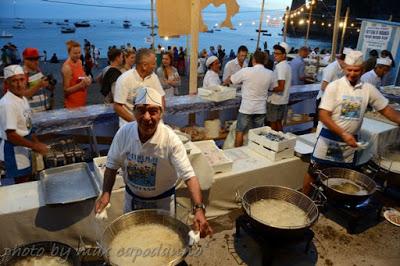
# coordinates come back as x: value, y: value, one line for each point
x: 331, y: 72
x: 341, y: 112
x: 212, y: 75
x: 279, y: 96
x: 154, y: 159
x: 375, y: 75
x: 16, y: 138
x: 127, y: 84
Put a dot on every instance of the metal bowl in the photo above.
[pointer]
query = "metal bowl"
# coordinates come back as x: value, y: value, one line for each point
x: 341, y: 197
x: 281, y: 193
x: 142, y: 217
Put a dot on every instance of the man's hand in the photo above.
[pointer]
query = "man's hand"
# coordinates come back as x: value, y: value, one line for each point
x: 201, y: 224
x: 41, y: 148
x: 349, y: 139
x: 102, y: 202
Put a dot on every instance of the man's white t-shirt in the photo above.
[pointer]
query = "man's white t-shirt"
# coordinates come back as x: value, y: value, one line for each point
x: 15, y: 114
x: 282, y: 71
x: 211, y: 79
x: 256, y: 80
x: 233, y: 67
x: 348, y: 103
x: 151, y: 168
x: 372, y: 78
x: 331, y: 72
x: 127, y: 85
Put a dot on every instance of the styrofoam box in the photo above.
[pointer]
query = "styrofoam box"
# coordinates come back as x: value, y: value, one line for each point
x: 217, y: 93
x: 119, y: 180
x: 288, y: 143
x: 215, y: 156
x: 270, y: 154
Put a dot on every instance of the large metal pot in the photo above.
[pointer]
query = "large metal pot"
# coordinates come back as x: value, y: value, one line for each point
x: 38, y: 249
x: 280, y: 193
x: 147, y: 216
x: 329, y: 175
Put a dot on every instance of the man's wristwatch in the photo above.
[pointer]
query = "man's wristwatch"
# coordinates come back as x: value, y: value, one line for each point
x: 198, y: 206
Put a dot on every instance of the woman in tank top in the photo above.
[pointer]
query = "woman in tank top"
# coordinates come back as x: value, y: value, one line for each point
x: 75, y: 82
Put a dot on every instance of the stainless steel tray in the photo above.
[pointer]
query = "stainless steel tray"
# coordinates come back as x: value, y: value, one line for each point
x: 70, y: 183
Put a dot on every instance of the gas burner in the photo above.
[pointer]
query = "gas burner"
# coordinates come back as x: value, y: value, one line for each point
x: 269, y: 242
x: 364, y: 213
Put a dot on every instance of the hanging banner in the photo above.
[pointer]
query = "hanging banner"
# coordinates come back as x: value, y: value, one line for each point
x: 377, y: 37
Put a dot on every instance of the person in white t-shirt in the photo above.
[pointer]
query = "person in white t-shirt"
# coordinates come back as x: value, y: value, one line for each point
x: 256, y: 80
x: 279, y: 96
x: 375, y: 75
x: 128, y: 83
x: 154, y: 160
x: 341, y: 112
x: 16, y: 138
x: 331, y: 72
x: 212, y: 75
x: 235, y: 65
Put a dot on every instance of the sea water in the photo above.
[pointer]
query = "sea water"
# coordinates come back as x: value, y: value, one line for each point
x: 109, y: 31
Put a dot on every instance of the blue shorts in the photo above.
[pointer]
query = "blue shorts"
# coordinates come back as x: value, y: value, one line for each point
x: 275, y: 112
x: 246, y: 122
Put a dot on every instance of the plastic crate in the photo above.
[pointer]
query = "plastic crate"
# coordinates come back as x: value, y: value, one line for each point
x: 215, y: 156
x: 270, y: 154
x: 256, y: 135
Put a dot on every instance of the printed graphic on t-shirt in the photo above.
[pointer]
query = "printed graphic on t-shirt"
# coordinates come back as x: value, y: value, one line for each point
x: 28, y: 119
x: 334, y: 151
x: 142, y: 171
x: 351, y: 107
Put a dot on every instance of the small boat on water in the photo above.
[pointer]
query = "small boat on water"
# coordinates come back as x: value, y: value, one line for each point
x: 210, y: 31
x: 82, y: 24
x: 126, y: 24
x: 261, y: 30
x: 5, y: 34
x: 48, y: 22
x: 68, y: 29
x: 144, y: 24
x: 112, y: 22
x: 19, y: 24
x: 267, y: 34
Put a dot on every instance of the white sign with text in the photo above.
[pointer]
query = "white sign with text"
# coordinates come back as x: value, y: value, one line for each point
x: 377, y: 37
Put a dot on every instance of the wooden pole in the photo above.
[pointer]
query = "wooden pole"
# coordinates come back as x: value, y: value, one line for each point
x: 194, y: 41
x: 336, y: 30
x: 152, y: 24
x: 309, y: 25
x: 346, y: 18
x: 260, y: 25
x: 287, y: 15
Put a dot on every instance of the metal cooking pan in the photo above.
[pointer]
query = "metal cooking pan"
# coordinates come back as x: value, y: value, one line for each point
x: 37, y: 249
x: 329, y: 175
x: 280, y: 193
x: 147, y: 216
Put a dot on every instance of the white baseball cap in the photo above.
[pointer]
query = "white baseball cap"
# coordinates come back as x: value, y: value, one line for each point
x: 211, y: 60
x: 384, y: 61
x: 354, y: 58
x: 13, y: 70
x: 146, y: 95
x: 284, y: 45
